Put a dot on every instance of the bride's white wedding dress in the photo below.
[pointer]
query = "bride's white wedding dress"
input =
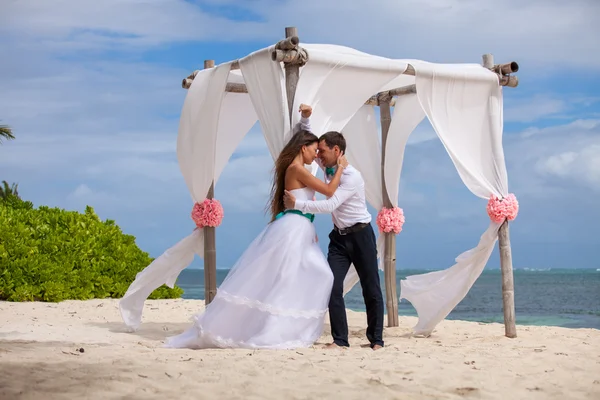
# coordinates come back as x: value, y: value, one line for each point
x: 274, y: 297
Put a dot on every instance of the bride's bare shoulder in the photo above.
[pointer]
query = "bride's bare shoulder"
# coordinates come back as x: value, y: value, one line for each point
x: 293, y: 169
x: 292, y: 177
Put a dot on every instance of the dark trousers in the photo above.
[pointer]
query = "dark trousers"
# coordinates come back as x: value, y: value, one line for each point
x: 356, y: 248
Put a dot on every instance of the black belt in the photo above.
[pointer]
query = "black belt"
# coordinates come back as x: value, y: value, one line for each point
x: 351, y: 229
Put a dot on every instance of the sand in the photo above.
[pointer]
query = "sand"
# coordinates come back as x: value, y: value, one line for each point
x: 40, y: 358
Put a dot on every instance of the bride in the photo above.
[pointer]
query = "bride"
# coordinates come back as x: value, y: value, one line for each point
x: 276, y: 295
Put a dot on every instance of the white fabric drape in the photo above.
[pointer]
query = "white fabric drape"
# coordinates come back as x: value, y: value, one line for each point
x: 365, y: 155
x: 204, y: 145
x: 265, y: 82
x: 364, y: 152
x: 197, y: 138
x: 236, y: 119
x: 405, y: 118
x: 336, y: 82
x: 464, y: 105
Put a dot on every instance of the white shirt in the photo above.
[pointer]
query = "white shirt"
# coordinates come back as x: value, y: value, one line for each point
x: 348, y: 204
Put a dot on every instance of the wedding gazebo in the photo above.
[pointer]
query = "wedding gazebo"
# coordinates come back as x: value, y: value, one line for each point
x: 463, y: 102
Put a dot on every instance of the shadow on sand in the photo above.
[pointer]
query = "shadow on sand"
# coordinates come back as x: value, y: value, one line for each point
x: 147, y: 330
x: 37, y: 380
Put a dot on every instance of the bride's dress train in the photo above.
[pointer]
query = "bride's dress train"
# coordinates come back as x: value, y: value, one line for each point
x: 274, y: 297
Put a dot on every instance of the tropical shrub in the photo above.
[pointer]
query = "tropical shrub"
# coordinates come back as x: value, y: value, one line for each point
x: 50, y: 254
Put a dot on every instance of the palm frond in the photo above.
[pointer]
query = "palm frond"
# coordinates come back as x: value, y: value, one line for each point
x: 7, y: 190
x: 6, y: 133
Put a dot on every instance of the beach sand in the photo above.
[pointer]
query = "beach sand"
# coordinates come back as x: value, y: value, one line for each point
x: 40, y: 359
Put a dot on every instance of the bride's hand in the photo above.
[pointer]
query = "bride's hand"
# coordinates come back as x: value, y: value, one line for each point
x: 305, y: 110
x: 341, y: 161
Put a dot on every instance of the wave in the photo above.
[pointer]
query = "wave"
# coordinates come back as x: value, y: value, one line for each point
x: 535, y: 269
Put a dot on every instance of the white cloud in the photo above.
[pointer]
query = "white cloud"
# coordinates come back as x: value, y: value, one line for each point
x: 110, y: 155
x: 96, y: 123
x: 558, y: 164
x: 527, y: 108
x: 555, y: 162
x: 246, y: 182
x: 581, y: 166
x: 533, y: 108
x: 253, y: 143
x: 76, y: 24
x: 83, y: 195
x: 440, y: 30
x: 576, y: 127
x: 423, y: 133
x: 81, y: 191
x: 457, y: 31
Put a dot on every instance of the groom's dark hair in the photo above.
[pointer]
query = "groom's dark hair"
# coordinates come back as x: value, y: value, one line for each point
x: 334, y: 138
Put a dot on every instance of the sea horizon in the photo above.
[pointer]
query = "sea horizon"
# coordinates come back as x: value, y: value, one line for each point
x: 565, y: 297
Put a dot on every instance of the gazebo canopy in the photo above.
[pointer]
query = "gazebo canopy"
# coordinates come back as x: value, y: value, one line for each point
x: 463, y: 102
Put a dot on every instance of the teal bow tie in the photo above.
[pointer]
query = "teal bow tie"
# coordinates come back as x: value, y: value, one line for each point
x: 330, y: 171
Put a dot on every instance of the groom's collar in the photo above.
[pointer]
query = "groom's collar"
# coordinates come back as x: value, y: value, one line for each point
x: 334, y: 168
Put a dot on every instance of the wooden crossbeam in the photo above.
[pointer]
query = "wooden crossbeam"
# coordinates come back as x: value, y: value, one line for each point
x: 373, y: 100
x: 502, y: 70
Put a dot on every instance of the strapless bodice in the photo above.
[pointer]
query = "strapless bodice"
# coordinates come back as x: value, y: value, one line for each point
x: 303, y: 193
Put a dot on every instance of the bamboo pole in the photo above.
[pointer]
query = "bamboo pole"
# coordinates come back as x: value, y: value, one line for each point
x: 187, y: 82
x: 389, y: 257
x: 506, y: 69
x: 291, y: 40
x: 502, y: 70
x: 210, y: 249
x: 508, y: 80
x: 488, y: 61
x: 508, y: 286
x: 292, y: 69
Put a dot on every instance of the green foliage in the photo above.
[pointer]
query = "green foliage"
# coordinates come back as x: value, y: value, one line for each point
x: 49, y: 254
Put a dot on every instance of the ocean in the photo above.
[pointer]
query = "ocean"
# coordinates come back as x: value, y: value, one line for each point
x: 555, y: 297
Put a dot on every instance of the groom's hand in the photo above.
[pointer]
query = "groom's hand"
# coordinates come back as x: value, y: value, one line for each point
x: 289, y: 201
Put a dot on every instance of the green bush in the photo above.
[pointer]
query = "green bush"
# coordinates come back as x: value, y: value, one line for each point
x: 49, y: 254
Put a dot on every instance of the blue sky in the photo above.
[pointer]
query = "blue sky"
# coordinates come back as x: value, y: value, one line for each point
x: 93, y: 92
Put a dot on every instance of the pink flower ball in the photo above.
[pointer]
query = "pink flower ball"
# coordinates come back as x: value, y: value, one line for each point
x: 503, y: 209
x: 208, y: 213
x: 390, y: 220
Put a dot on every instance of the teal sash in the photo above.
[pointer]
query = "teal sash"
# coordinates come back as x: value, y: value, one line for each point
x: 311, y: 217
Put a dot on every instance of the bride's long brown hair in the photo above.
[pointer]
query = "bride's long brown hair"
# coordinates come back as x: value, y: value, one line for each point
x: 286, y: 157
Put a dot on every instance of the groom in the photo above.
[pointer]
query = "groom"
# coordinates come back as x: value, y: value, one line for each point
x: 352, y: 240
